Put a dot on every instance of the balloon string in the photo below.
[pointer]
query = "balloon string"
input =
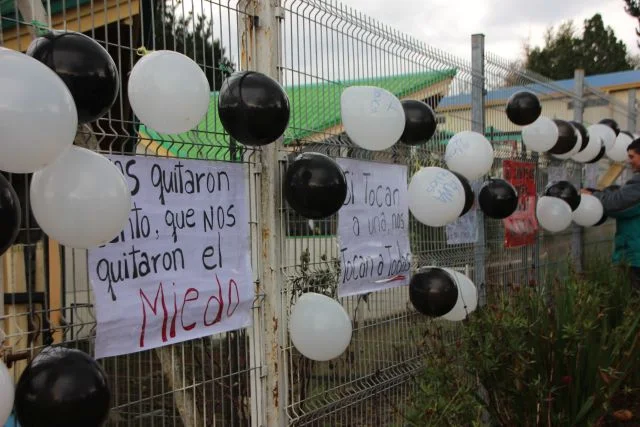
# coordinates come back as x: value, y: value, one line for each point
x: 142, y: 51
x: 225, y: 70
x: 40, y: 28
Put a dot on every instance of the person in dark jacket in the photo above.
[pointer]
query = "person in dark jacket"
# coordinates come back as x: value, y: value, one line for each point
x: 623, y: 204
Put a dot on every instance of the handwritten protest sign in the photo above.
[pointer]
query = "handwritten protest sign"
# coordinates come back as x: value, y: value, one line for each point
x: 373, y: 228
x: 181, y: 267
x: 521, y: 227
x: 464, y: 229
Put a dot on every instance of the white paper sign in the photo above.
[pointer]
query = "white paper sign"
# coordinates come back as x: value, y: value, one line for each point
x: 464, y: 230
x: 181, y: 268
x: 373, y: 228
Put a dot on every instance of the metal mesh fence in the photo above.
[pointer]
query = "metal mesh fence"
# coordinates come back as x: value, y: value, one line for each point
x: 322, y: 48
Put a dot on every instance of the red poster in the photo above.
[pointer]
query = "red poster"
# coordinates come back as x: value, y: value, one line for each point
x: 521, y: 227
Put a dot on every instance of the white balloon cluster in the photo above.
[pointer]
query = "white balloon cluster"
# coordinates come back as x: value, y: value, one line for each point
x: 467, y: 301
x: 319, y: 327
x: 436, y: 195
x: 543, y: 136
x: 78, y: 197
x: 555, y: 215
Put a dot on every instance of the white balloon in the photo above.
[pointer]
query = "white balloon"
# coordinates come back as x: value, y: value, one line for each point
x: 467, y: 297
x: 589, y: 211
x: 541, y: 135
x: 575, y: 150
x: 372, y: 117
x: 38, y: 116
x: 604, y: 132
x: 319, y: 327
x: 81, y: 200
x: 168, y: 92
x: 470, y: 154
x: 553, y: 214
x: 436, y: 196
x: 7, y: 393
x: 590, y: 151
x: 618, y: 152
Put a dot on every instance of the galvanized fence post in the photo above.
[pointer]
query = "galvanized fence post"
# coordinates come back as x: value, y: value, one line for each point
x: 477, y: 125
x: 632, y: 112
x: 577, y: 243
x: 258, y: 31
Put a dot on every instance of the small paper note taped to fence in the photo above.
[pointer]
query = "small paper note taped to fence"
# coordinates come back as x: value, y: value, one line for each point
x: 181, y: 268
x: 373, y: 228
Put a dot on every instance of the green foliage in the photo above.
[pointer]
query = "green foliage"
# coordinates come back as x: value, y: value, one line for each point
x: 597, y: 50
x: 321, y: 279
x: 558, y: 355
x: 632, y: 7
x: 446, y: 393
x: 191, y: 35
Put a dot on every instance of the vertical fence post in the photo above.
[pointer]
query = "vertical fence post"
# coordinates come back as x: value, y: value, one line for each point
x: 578, y: 113
x: 477, y: 125
x: 258, y: 31
x: 632, y: 113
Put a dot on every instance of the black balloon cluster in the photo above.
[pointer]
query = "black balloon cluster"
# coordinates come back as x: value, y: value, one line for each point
x: 420, y: 122
x: 254, y: 109
x: 84, y: 66
x: 91, y: 76
x: 523, y: 108
x: 564, y: 190
x: 433, y: 292
x: 10, y: 215
x: 498, y: 199
x: 62, y: 388
x: 315, y: 186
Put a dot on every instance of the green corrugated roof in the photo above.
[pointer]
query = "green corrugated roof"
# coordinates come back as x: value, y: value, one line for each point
x: 8, y: 11
x: 314, y: 108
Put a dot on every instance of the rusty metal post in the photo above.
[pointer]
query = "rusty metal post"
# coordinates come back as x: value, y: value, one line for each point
x: 259, y: 30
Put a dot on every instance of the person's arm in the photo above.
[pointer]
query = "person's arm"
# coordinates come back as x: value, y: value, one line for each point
x: 621, y: 199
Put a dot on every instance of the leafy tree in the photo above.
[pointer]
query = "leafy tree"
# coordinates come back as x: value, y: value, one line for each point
x: 191, y: 35
x: 633, y: 8
x: 597, y: 50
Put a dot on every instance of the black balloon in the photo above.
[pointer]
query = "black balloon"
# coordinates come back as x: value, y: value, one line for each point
x: 583, y: 133
x: 62, y: 388
x: 468, y: 193
x: 612, y: 124
x: 498, y: 199
x: 253, y: 108
x: 433, y: 292
x: 30, y: 232
x: 10, y: 215
x: 564, y: 190
x: 602, y: 220
x: 85, y: 67
x: 567, y: 137
x: 523, y: 108
x: 315, y: 186
x: 599, y: 156
x: 420, y: 122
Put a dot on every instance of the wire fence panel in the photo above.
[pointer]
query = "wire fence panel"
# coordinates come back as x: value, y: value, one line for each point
x: 327, y: 47
x: 323, y: 47
x: 48, y: 299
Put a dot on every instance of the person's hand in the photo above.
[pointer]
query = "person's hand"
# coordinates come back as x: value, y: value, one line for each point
x: 586, y: 191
